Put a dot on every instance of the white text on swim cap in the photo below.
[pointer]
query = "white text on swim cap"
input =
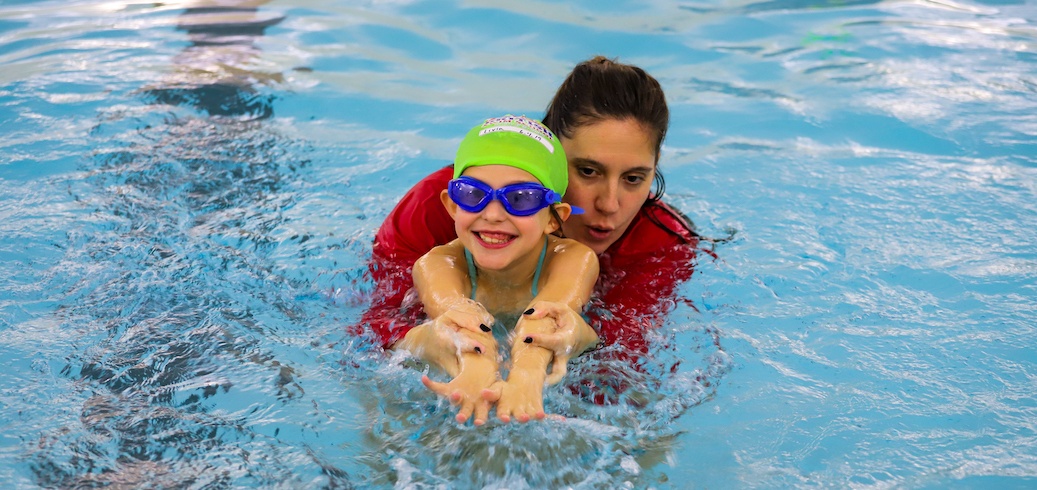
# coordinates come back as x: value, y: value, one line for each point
x: 521, y: 131
x: 530, y: 124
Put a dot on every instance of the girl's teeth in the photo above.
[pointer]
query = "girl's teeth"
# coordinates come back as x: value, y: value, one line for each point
x: 494, y: 238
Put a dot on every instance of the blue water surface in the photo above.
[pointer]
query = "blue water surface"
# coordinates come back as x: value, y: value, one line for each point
x: 188, y: 193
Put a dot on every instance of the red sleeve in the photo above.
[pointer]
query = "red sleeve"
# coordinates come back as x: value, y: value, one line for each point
x: 417, y: 223
x: 640, y: 293
x: 641, y: 272
x: 636, y: 290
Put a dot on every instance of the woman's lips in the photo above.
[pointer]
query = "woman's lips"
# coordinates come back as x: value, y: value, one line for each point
x: 599, y: 233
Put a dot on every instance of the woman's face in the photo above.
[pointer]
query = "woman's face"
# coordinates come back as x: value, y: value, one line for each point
x: 611, y: 167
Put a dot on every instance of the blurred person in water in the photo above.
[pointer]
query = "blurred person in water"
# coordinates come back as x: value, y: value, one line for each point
x: 221, y: 69
x: 505, y: 199
x: 611, y: 119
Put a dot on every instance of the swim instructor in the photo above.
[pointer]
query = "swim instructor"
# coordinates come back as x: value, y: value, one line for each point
x: 611, y: 119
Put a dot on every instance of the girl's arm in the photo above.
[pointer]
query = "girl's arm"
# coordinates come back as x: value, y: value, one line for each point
x: 459, y: 338
x: 541, y: 342
x: 442, y: 287
x: 571, y: 276
x: 441, y: 279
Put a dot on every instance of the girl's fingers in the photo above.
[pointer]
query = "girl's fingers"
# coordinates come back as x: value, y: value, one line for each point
x: 435, y: 386
x: 442, y: 389
x: 482, y: 412
x: 503, y: 412
x: 492, y: 394
x: 465, y: 412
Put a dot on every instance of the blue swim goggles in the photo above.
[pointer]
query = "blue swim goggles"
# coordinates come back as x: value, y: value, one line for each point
x: 522, y: 199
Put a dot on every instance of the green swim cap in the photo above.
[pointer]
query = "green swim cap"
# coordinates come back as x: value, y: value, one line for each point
x: 519, y: 142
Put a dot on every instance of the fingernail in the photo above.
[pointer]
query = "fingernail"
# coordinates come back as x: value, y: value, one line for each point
x: 478, y: 350
x: 528, y: 340
x: 528, y: 312
x: 483, y: 327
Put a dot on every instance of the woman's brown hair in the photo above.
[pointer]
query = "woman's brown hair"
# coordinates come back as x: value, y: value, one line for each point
x: 601, y: 88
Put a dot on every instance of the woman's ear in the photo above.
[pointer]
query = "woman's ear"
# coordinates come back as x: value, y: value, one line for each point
x: 449, y: 204
x: 561, y: 211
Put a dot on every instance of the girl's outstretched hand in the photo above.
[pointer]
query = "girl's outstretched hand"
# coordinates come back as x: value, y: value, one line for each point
x: 519, y: 398
x: 479, y: 371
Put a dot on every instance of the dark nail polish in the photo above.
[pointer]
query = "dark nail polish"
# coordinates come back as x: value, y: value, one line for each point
x: 483, y: 327
x: 528, y: 312
x: 528, y: 340
x: 478, y: 350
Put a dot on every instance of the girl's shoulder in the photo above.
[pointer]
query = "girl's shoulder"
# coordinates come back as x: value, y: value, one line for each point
x: 451, y: 250
x: 559, y: 244
x: 570, y: 250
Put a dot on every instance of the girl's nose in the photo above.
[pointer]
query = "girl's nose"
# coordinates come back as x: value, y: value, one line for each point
x: 495, y: 211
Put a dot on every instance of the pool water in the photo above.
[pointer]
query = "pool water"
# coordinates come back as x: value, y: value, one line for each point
x: 188, y: 192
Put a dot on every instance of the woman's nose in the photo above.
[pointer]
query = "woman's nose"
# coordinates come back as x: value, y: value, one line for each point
x: 607, y: 200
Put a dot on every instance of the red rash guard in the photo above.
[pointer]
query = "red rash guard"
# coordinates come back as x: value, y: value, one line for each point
x: 636, y: 287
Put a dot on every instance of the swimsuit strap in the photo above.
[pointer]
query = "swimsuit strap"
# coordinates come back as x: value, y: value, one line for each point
x: 540, y: 264
x: 472, y: 272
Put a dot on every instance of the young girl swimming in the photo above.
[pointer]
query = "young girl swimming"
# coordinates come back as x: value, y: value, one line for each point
x: 505, y: 199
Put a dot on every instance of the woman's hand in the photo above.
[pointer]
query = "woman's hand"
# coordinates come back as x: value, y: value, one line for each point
x: 572, y: 335
x: 467, y: 314
x: 462, y: 329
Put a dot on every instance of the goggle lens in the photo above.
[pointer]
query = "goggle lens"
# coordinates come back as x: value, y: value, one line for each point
x: 522, y: 199
x: 526, y: 199
x: 468, y: 195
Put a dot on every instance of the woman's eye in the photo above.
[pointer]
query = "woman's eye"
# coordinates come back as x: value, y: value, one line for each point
x: 634, y: 179
x: 586, y: 171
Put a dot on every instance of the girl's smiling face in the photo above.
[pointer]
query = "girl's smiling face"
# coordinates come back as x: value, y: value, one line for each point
x: 499, y: 241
